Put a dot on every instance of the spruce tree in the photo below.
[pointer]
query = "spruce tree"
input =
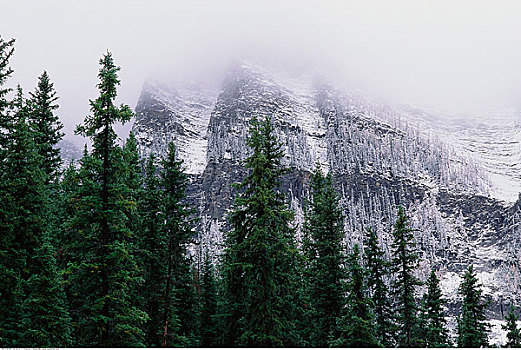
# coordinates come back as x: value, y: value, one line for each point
x: 45, y: 315
x: 404, y: 262
x: 37, y: 310
x: 106, y: 275
x: 377, y: 270
x: 47, y: 126
x: 357, y: 327
x: 6, y: 51
x: 208, y: 308
x: 80, y: 191
x: 8, y: 275
x: 324, y: 233
x: 259, y: 261
x: 22, y: 206
x: 472, y: 325
x: 436, y: 332
x: 513, y: 332
x: 132, y: 177
x: 153, y: 253
x: 178, y: 301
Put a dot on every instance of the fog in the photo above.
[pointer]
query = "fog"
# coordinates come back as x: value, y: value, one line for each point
x: 442, y: 55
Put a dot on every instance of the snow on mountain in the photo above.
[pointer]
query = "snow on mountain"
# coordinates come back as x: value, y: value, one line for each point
x: 490, y: 137
x: 178, y: 113
x: 380, y: 156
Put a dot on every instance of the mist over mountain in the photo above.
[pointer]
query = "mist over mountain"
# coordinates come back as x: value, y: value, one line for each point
x: 457, y: 181
x: 411, y: 109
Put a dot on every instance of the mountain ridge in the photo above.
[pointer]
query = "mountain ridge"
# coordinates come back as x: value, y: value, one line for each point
x: 377, y: 160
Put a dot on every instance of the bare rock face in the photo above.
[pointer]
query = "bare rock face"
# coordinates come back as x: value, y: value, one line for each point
x: 377, y: 160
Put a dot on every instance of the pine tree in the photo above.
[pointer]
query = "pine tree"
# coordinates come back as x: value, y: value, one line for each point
x: 259, y: 261
x: 132, y: 177
x: 357, y: 327
x: 178, y: 301
x: 404, y: 262
x: 153, y: 243
x: 7, y: 275
x: 45, y: 315
x: 47, y: 126
x: 80, y: 243
x: 472, y: 325
x: 23, y: 202
x: 106, y: 275
x: 37, y: 311
x: 513, y: 332
x: 436, y: 332
x: 377, y: 269
x: 324, y: 232
x: 6, y: 51
x: 208, y: 309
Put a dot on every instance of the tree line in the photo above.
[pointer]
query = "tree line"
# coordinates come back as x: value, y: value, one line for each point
x: 95, y: 253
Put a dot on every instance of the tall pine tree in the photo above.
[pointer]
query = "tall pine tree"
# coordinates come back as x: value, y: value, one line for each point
x: 357, y: 327
x: 178, y: 301
x: 259, y: 261
x: 436, y: 332
x: 23, y: 204
x: 6, y: 52
x: 377, y: 270
x: 6, y: 273
x: 153, y: 252
x: 106, y: 274
x: 324, y: 233
x: 208, y: 308
x: 37, y: 311
x: 404, y: 262
x: 472, y: 324
x: 132, y: 177
x: 47, y: 126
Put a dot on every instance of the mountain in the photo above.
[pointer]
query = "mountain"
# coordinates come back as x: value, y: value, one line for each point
x: 69, y: 151
x: 380, y: 156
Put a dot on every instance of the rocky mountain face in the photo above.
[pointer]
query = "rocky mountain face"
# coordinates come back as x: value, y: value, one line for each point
x: 69, y: 151
x: 378, y: 162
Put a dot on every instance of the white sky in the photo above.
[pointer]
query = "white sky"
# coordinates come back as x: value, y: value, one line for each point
x: 452, y: 55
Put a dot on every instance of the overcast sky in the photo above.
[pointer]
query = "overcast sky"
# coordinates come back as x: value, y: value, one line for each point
x: 450, y: 55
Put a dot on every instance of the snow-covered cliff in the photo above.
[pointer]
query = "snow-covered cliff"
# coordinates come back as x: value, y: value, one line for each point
x: 380, y: 157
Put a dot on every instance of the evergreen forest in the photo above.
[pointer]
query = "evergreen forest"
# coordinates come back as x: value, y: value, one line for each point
x: 96, y: 253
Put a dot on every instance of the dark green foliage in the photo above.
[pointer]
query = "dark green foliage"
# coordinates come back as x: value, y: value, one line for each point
x: 323, y: 250
x: 36, y: 309
x: 104, y: 275
x: 6, y: 51
x: 208, y: 305
x: 404, y: 262
x: 8, y: 275
x: 22, y: 208
x: 513, y: 332
x: 46, y: 321
x: 472, y: 325
x: 377, y: 269
x: 260, y: 257
x: 132, y: 177
x: 153, y: 253
x: 47, y: 126
x: 99, y: 257
x: 435, y: 330
x: 357, y: 327
x: 178, y: 301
